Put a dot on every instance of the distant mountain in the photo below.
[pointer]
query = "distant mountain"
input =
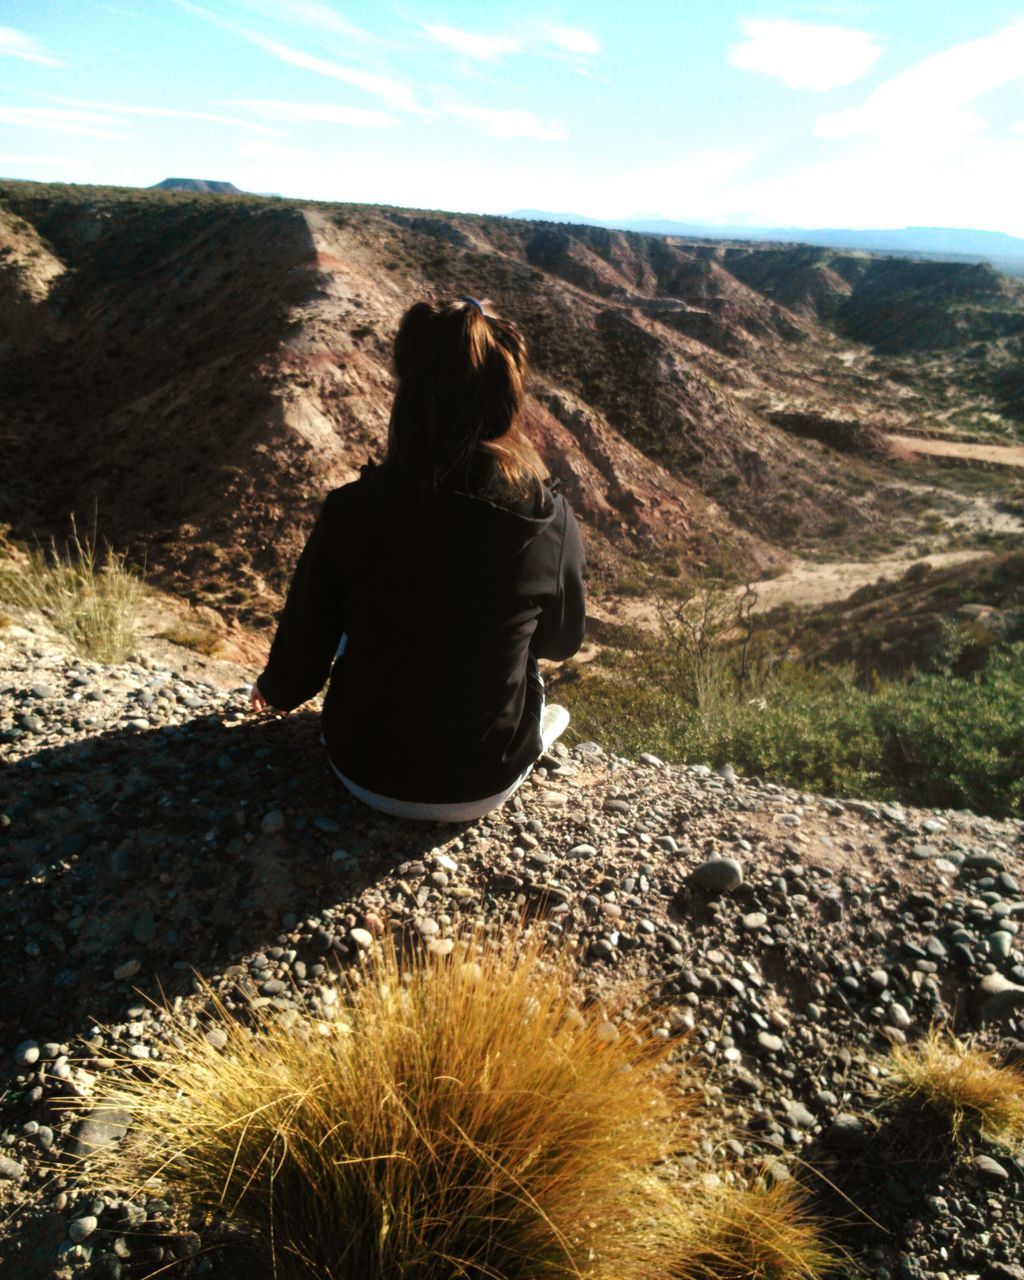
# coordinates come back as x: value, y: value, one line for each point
x: 206, y: 185
x: 952, y: 243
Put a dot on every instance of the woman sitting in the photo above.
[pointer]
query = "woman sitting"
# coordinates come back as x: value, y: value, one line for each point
x: 434, y: 582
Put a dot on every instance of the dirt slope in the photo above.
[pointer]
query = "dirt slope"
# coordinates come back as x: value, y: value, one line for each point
x: 201, y: 369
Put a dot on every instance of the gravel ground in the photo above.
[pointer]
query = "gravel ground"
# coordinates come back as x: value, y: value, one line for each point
x: 150, y: 829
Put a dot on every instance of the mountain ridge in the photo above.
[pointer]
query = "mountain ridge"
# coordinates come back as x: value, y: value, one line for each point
x: 953, y: 243
x: 242, y: 367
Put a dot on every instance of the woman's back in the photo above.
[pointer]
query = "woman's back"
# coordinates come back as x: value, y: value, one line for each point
x: 448, y: 570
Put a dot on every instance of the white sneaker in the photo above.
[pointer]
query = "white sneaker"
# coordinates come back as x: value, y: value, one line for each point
x: 553, y: 723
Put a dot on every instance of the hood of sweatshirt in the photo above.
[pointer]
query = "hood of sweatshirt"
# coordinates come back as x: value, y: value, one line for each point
x: 462, y: 534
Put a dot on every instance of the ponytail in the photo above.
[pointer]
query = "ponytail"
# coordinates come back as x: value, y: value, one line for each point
x: 458, y: 408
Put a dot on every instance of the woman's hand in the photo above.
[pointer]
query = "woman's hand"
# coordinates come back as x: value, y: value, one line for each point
x: 259, y: 703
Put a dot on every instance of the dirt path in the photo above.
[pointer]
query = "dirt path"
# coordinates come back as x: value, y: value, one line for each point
x: 805, y: 584
x: 1006, y: 455
x: 810, y: 585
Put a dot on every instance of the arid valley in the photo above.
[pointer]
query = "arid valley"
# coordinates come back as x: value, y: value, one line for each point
x: 799, y: 473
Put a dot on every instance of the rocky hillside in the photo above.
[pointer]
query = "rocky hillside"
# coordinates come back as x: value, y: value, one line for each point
x: 201, y: 369
x: 153, y: 829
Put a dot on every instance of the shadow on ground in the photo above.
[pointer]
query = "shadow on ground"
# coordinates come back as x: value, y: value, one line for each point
x: 158, y: 853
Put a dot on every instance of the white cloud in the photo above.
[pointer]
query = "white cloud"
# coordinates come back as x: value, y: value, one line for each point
x: 314, y: 113
x: 804, y: 55
x: 930, y: 100
x: 85, y: 124
x: 398, y: 95
x: 16, y: 44
x: 170, y: 113
x: 322, y: 17
x: 509, y: 123
x: 542, y: 40
x: 473, y: 46
x: 572, y: 39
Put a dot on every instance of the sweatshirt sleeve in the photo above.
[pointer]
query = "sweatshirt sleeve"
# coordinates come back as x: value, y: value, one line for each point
x: 561, y: 624
x: 312, y: 621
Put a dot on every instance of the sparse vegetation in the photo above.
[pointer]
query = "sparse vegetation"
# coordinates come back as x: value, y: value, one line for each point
x: 966, y: 1086
x: 756, y: 1233
x: 456, y: 1117
x: 90, y: 597
x: 199, y: 639
x: 709, y: 689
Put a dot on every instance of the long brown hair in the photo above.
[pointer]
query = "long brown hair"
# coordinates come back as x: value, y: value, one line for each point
x: 456, y: 421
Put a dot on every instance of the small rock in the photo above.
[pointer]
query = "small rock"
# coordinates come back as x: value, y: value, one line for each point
x: 997, y: 996
x: 848, y: 1132
x: 1000, y: 944
x: 989, y: 1169
x: 718, y: 875
x: 10, y: 1170
x: 799, y: 1116
x: 99, y: 1130
x: 26, y: 1054
x: 897, y: 1016
x: 1004, y: 1271
x: 82, y: 1228
x: 273, y: 823
x: 127, y: 970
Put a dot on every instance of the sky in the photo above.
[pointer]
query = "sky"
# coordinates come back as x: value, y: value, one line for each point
x: 806, y: 113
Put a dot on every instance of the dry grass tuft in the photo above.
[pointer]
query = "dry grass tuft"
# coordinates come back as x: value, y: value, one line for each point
x: 202, y: 640
x: 459, y: 1118
x: 966, y: 1085
x: 754, y: 1233
x: 92, y: 599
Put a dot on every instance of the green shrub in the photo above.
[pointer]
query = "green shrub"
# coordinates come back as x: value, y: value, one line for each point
x: 933, y: 739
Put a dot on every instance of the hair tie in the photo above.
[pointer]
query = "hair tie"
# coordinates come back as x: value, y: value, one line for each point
x: 474, y: 302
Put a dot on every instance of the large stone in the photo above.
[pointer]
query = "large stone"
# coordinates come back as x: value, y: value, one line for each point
x: 99, y: 1129
x: 989, y: 1169
x: 718, y: 875
x: 997, y: 997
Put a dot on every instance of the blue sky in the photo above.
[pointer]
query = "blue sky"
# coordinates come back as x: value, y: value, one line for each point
x: 832, y: 113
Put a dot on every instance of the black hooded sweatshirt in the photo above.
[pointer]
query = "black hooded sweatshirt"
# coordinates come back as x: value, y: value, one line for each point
x: 446, y: 603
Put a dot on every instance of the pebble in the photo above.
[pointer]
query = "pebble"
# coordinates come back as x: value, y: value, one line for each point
x: 81, y: 1228
x: 874, y: 931
x: 273, y: 823
x: 990, y: 1170
x: 718, y: 875
x: 26, y: 1054
x: 848, y: 1132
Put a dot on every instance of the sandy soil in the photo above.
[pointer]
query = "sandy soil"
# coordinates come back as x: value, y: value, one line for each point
x: 809, y: 585
x: 805, y: 584
x: 1005, y: 455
